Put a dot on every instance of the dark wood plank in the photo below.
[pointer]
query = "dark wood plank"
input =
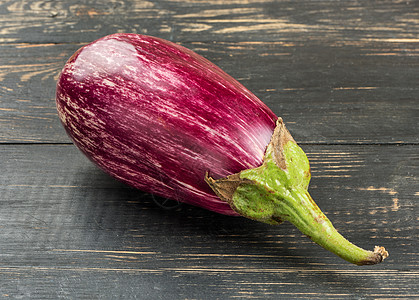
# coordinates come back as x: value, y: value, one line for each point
x: 327, y: 94
x: 256, y: 20
x: 68, y: 230
x: 343, y: 74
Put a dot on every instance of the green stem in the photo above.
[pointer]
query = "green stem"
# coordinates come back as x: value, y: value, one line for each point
x: 304, y: 213
x: 277, y: 191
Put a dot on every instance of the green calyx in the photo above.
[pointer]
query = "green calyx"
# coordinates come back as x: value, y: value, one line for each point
x: 277, y: 191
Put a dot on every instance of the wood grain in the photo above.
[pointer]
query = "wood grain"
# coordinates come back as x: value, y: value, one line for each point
x: 342, y: 74
x: 325, y: 94
x: 75, y: 226
x: 210, y: 20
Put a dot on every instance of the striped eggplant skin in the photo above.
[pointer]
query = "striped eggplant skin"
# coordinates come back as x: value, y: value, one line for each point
x: 158, y: 116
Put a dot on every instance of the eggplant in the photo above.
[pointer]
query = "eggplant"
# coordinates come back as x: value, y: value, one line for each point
x: 163, y: 119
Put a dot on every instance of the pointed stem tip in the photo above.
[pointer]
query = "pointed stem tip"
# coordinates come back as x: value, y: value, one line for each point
x: 304, y: 213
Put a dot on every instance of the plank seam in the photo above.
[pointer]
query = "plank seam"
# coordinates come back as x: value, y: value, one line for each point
x: 299, y: 143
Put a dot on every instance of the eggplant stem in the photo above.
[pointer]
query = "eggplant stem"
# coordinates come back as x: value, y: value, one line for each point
x: 310, y: 220
x: 278, y: 191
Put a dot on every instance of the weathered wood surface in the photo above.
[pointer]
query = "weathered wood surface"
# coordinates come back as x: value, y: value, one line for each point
x: 335, y: 71
x: 343, y: 74
x: 325, y: 95
x: 210, y: 20
x: 69, y: 230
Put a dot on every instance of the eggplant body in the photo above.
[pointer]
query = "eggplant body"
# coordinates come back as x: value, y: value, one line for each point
x: 158, y: 116
x: 163, y: 119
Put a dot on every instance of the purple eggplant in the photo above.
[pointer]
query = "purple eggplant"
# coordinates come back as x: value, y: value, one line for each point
x: 165, y: 120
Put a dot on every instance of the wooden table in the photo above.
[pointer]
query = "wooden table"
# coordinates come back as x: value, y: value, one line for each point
x: 344, y: 76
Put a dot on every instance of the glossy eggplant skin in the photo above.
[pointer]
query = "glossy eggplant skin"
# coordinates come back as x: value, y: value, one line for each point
x: 158, y: 116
